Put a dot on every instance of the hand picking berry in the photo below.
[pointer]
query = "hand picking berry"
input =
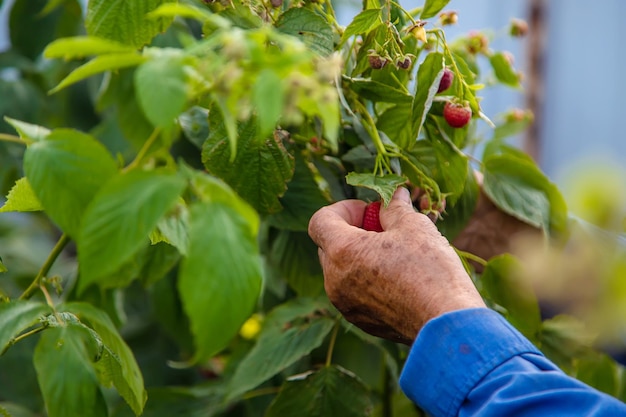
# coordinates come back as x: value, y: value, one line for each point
x: 371, y: 217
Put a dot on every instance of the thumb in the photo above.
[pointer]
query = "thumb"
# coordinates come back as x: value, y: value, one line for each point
x: 400, y: 211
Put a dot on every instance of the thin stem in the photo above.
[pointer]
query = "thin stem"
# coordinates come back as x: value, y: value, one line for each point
x: 261, y: 391
x: 22, y: 337
x: 54, y: 254
x: 331, y: 345
x: 143, y: 151
x: 12, y: 139
x: 471, y: 257
x: 404, y: 11
x: 46, y: 295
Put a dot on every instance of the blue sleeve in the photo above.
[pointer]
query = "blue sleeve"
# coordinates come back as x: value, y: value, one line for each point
x: 473, y: 363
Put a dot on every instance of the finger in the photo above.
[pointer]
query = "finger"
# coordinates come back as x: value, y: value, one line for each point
x: 400, y: 212
x: 332, y: 221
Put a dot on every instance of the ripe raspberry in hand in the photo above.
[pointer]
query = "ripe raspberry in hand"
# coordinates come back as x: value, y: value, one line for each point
x: 371, y: 217
x: 457, y: 115
x: 446, y: 80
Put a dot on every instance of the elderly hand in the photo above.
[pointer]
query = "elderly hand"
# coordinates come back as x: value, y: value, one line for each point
x: 390, y: 283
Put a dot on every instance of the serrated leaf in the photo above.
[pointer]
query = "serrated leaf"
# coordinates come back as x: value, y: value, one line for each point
x: 290, y: 332
x: 432, y: 7
x: 17, y: 316
x: 309, y: 27
x: 331, y: 391
x: 302, y: 199
x: 120, y: 218
x: 125, y: 21
x: 517, y: 186
x: 504, y: 285
x: 364, y: 22
x: 74, y: 391
x: 269, y: 100
x: 65, y: 171
x: 117, y: 366
x: 291, y: 255
x: 503, y: 70
x: 220, y: 279
x: 214, y: 190
x: 428, y: 76
x: 100, y: 64
x: 385, y: 185
x: 28, y: 131
x: 377, y: 91
x: 82, y: 46
x: 161, y: 86
x: 21, y: 198
x: 261, y: 169
x: 393, y: 122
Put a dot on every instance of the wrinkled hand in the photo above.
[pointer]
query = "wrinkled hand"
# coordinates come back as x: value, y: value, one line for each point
x: 390, y: 283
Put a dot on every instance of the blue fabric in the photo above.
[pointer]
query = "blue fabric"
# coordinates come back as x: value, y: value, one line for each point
x: 474, y: 363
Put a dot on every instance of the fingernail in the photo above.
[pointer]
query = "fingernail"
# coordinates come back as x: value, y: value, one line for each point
x: 403, y: 195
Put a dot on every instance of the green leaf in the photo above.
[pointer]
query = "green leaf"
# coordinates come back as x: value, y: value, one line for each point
x: 68, y: 381
x: 162, y: 89
x: 309, y: 27
x: 384, y: 185
x: 504, y: 70
x: 17, y: 316
x: 331, y: 391
x: 2, y: 267
x: 28, y: 131
x: 428, y: 76
x: 160, y: 260
x: 82, y: 46
x: 564, y: 339
x: 505, y: 285
x: 599, y: 371
x: 181, y: 401
x: 451, y: 166
x: 518, y: 187
x: 393, y: 122
x: 220, y: 279
x: 100, y: 64
x: 432, y: 7
x: 117, y: 366
x: 458, y: 214
x: 302, y: 199
x: 290, y: 332
x: 268, y: 96
x: 125, y: 21
x: 291, y: 255
x: 173, y: 228
x: 214, y: 190
x: 364, y: 22
x: 377, y: 91
x: 120, y: 218
x: 21, y: 198
x: 261, y: 168
x: 65, y: 171
x: 172, y: 10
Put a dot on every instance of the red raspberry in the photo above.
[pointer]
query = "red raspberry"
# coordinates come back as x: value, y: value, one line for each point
x: 446, y: 80
x: 457, y: 115
x: 371, y: 217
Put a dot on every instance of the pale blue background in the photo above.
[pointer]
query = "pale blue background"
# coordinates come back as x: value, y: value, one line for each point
x: 585, y: 83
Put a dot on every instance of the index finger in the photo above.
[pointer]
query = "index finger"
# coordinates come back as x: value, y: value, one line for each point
x: 335, y: 220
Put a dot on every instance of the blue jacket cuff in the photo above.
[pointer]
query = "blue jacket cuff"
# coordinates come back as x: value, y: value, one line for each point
x: 453, y: 353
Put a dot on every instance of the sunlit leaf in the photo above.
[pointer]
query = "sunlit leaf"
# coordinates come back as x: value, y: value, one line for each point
x: 428, y: 76
x: 309, y: 27
x: 82, y: 46
x: 220, y: 278
x: 56, y: 170
x: 364, y: 22
x: 120, y: 218
x: 21, y: 198
x: 385, y: 185
x: 432, y: 7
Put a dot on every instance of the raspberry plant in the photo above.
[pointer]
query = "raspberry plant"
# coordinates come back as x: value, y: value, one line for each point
x: 183, y: 148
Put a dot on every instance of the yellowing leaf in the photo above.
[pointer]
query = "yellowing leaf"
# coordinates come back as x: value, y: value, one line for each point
x: 21, y: 198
